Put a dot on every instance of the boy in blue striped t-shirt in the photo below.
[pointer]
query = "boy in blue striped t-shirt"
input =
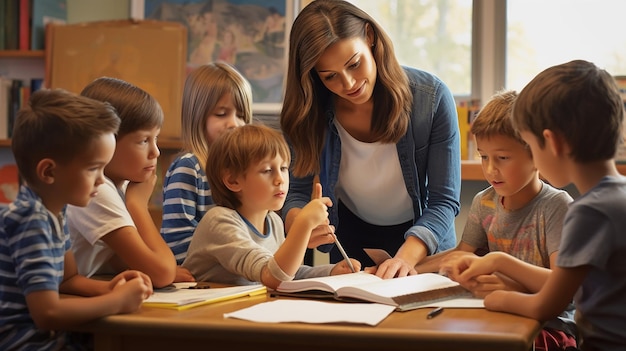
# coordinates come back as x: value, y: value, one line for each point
x: 61, y: 143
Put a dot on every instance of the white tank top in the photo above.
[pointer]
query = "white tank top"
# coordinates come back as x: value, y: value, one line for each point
x: 370, y: 181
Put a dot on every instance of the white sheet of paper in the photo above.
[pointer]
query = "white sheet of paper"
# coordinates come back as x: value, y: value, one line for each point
x: 307, y: 311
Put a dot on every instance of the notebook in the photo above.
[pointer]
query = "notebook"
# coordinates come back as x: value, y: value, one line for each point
x: 185, y: 298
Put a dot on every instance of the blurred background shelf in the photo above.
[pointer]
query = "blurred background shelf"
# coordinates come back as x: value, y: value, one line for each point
x: 22, y: 53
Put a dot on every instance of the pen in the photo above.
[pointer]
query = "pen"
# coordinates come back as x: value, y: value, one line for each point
x: 434, y: 313
x: 344, y: 254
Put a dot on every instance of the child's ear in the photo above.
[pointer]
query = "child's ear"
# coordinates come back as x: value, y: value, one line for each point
x: 45, y: 170
x: 231, y: 182
x: 555, y: 143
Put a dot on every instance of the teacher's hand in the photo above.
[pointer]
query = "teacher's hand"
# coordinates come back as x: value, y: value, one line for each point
x: 322, y: 234
x: 392, y: 268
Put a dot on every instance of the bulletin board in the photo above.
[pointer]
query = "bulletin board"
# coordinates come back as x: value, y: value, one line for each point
x: 150, y: 54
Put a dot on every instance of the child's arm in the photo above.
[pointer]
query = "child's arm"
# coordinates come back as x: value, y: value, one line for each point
x: 123, y: 294
x: 548, y: 302
x: 51, y: 312
x: 290, y: 254
x: 432, y: 263
x: 76, y: 284
x: 465, y: 269
x: 142, y: 247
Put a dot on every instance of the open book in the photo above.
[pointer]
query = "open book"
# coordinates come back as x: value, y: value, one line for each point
x: 406, y: 293
x: 185, y: 298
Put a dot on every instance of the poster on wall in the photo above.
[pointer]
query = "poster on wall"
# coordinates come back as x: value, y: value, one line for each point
x: 251, y: 35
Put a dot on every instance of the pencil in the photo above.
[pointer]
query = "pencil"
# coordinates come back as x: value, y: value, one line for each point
x: 344, y: 254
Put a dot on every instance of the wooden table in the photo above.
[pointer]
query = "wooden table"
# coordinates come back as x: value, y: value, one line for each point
x: 205, y: 328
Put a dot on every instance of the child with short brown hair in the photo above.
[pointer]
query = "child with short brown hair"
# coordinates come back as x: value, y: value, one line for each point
x: 518, y: 213
x: 242, y: 240
x: 61, y: 143
x: 115, y: 231
x: 571, y: 115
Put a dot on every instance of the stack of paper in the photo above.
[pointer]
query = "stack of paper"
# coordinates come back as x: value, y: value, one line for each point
x: 184, y: 298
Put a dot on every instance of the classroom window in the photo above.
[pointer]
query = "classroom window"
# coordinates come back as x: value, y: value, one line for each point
x: 436, y: 35
x: 543, y: 33
x: 433, y: 35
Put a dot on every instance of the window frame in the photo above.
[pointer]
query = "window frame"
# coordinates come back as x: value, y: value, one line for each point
x: 488, y: 48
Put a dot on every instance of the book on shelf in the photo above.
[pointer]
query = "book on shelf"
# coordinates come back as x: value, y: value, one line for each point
x: 467, y: 110
x: 405, y: 293
x: 42, y: 13
x: 620, y: 156
x: 11, y: 24
x: 14, y: 94
x: 15, y: 102
x: 2, y: 27
x: 5, y: 90
x: 182, y: 297
x: 24, y: 25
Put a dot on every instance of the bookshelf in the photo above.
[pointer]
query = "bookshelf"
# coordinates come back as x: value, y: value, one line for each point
x: 22, y: 64
x: 22, y: 54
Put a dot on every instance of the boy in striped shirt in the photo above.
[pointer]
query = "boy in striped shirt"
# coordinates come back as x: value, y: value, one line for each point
x: 61, y: 143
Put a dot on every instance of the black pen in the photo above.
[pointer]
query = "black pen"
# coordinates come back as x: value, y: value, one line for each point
x: 434, y: 313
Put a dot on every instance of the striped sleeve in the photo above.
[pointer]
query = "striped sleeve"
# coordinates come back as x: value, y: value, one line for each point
x: 32, y: 250
x: 186, y: 198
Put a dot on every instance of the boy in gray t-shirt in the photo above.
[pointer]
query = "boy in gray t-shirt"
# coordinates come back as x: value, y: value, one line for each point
x: 518, y: 214
x: 571, y: 116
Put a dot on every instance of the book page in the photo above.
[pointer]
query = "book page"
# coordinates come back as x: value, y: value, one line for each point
x: 385, y: 290
x: 328, y: 283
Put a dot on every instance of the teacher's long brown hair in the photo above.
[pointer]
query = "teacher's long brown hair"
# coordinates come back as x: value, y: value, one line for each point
x: 318, y: 26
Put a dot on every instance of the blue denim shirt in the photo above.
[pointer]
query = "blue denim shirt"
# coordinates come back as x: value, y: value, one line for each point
x: 430, y: 160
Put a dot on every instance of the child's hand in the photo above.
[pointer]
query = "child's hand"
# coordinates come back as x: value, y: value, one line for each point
x: 464, y: 269
x: 497, y: 300
x: 488, y: 283
x: 315, y: 213
x: 129, y: 275
x: 485, y: 284
x: 141, y: 192
x: 342, y: 267
x: 130, y: 294
x: 183, y: 275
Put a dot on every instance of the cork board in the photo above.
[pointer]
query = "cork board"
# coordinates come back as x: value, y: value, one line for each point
x: 149, y: 54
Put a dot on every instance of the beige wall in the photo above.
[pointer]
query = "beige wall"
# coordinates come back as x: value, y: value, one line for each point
x: 97, y: 10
